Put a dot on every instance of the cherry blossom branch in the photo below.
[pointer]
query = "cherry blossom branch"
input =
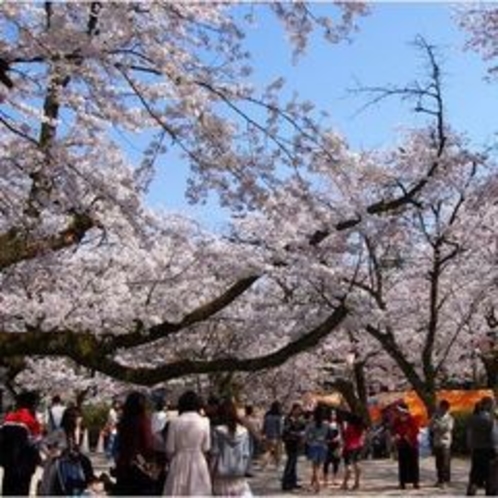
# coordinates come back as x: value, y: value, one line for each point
x: 177, y: 369
x: 17, y: 246
x: 96, y: 353
x: 143, y: 335
x: 432, y: 90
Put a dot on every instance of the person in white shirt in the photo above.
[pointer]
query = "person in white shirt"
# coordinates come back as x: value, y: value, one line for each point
x: 159, y: 417
x: 158, y: 421
x: 53, y: 416
x: 111, y: 428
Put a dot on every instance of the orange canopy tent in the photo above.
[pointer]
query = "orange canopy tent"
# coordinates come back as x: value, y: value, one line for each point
x: 460, y: 401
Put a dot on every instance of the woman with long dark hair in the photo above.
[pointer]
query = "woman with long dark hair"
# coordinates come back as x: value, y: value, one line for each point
x: 334, y: 449
x: 134, y: 444
x: 67, y: 471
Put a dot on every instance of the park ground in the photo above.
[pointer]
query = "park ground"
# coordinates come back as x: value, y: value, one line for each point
x: 379, y: 479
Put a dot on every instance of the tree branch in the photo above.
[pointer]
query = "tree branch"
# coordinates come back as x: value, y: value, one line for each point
x: 176, y: 369
x: 144, y: 336
x: 95, y: 353
x: 17, y: 246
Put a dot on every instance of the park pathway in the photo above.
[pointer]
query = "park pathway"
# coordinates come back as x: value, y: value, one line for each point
x: 379, y: 479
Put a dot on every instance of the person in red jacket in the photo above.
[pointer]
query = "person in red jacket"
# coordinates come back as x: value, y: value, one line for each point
x: 21, y: 432
x: 405, y: 432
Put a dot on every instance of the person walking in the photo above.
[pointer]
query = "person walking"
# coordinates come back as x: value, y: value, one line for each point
x: 293, y: 436
x: 21, y: 434
x: 441, y: 427
x: 481, y: 444
x: 187, y: 443
x: 159, y: 416
x: 230, y: 453
x: 405, y: 433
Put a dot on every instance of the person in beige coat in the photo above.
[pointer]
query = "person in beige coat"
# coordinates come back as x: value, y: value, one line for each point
x: 187, y: 442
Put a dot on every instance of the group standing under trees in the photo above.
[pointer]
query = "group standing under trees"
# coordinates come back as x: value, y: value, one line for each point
x: 207, y: 450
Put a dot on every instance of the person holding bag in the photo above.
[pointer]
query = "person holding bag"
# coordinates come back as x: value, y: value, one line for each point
x: 135, y: 450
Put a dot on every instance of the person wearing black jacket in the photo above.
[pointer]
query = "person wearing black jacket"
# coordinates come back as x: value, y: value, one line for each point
x: 19, y: 456
x: 481, y: 444
x: 294, y: 428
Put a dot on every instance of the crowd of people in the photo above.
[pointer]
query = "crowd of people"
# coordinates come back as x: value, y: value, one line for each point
x: 53, y: 442
x: 212, y: 449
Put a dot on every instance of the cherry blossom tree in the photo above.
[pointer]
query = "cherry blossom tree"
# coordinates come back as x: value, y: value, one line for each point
x: 80, y: 79
x: 426, y: 271
x: 91, y: 273
x: 480, y: 21
x: 422, y: 273
x: 84, y: 262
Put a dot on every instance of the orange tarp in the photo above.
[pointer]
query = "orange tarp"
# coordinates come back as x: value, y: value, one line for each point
x: 460, y: 401
x: 334, y: 399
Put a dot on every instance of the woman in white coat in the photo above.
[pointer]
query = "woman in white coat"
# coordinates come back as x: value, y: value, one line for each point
x: 187, y: 443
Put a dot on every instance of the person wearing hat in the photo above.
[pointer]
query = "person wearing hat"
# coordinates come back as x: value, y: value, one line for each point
x: 405, y: 433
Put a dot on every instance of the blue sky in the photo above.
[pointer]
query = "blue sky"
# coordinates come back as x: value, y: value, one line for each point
x: 380, y: 52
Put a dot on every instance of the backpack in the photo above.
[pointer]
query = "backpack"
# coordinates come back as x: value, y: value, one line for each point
x: 234, y: 454
x: 71, y: 474
x: 65, y: 475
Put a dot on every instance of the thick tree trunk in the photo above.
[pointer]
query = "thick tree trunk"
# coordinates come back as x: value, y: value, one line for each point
x: 490, y: 363
x: 346, y: 387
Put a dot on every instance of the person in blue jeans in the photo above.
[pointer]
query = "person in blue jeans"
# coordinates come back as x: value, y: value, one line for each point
x: 293, y: 434
x: 111, y: 429
x: 316, y: 436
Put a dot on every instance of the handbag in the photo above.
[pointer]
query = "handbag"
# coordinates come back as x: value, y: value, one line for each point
x: 148, y: 468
